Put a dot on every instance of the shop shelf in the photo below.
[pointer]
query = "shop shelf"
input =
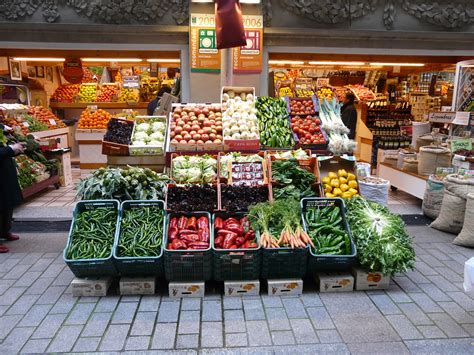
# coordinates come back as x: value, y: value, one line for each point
x: 235, y: 264
x: 91, y: 267
x: 188, y: 265
x: 316, y: 262
x: 139, y: 266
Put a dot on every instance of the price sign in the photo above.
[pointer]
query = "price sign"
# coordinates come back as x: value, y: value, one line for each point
x: 443, y: 172
x: 462, y: 118
x: 460, y: 144
x: 131, y: 81
x: 442, y: 117
x: 52, y: 122
x: 92, y: 108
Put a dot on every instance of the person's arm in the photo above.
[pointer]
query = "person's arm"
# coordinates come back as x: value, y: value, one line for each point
x: 6, y: 152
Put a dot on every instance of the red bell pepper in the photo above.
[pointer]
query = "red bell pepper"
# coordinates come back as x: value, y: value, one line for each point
x: 182, y: 222
x: 203, y: 235
x: 229, y: 239
x: 218, y: 241
x: 202, y: 222
x: 250, y: 235
x: 198, y: 245
x: 186, y: 232
x: 174, y: 222
x: 231, y: 220
x: 218, y: 223
x: 170, y: 246
x: 178, y: 244
x: 189, y: 238
x: 192, y: 223
x: 223, y: 232
x: 172, y: 233
x: 252, y: 245
x: 239, y: 241
x: 233, y: 246
x: 236, y: 228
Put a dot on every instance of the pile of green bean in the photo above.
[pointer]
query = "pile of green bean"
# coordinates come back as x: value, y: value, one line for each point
x: 141, y: 232
x: 93, y: 234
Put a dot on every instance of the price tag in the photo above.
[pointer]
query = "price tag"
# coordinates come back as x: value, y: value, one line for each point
x: 443, y: 172
x: 92, y: 108
x: 131, y: 81
x: 460, y: 144
x: 26, y: 124
x: 52, y: 122
x: 462, y: 118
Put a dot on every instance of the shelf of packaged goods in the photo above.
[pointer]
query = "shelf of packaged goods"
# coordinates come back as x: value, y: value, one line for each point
x: 411, y: 183
x: 40, y: 186
x: 103, y: 105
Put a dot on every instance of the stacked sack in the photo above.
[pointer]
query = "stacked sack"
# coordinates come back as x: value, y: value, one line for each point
x: 433, y: 197
x: 455, y: 210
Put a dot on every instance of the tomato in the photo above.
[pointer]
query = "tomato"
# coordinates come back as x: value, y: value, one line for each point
x: 308, y: 136
x: 311, y: 130
x: 317, y: 121
x: 296, y: 130
x: 317, y: 129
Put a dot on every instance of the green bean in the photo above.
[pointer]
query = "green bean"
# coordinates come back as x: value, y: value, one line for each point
x: 141, y: 232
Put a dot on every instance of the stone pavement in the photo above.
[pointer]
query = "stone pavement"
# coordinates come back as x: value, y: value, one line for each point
x: 424, y: 311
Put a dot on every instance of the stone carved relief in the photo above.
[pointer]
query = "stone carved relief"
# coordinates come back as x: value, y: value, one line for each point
x: 100, y: 11
x: 444, y: 14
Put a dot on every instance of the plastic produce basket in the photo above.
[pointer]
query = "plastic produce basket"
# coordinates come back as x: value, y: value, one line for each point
x: 91, y: 267
x: 328, y: 262
x: 235, y: 264
x: 188, y: 265
x: 284, y: 263
x: 139, y: 266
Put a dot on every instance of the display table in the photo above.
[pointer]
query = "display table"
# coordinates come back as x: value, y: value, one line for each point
x: 411, y: 183
x: 90, y: 148
x: 40, y: 186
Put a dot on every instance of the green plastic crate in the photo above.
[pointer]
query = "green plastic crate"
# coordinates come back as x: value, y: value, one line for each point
x: 188, y: 265
x: 284, y: 263
x: 92, y: 267
x: 235, y: 264
x: 139, y: 266
x: 317, y: 262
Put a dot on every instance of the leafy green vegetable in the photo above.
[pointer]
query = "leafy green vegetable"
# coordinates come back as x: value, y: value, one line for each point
x: 123, y: 184
x: 291, y: 180
x: 380, y: 236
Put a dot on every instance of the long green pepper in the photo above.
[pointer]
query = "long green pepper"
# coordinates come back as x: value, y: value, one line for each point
x: 93, y: 234
x: 141, y: 232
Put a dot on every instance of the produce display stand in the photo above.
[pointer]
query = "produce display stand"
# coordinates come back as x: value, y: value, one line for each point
x: 411, y: 183
x: 40, y: 186
x: 102, y: 105
x: 90, y: 148
x: 154, y: 162
x: 59, y: 133
x: 334, y: 163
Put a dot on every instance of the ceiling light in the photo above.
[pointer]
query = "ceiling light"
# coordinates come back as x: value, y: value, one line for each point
x: 35, y: 59
x: 397, y: 64
x: 159, y: 60
x: 127, y: 60
x: 283, y: 62
x: 335, y: 63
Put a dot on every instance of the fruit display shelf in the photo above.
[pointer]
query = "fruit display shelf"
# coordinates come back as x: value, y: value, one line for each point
x: 102, y: 105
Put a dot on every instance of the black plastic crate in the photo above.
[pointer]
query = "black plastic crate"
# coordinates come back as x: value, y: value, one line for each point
x: 188, y: 265
x: 139, y: 266
x: 92, y: 267
x: 235, y: 264
x: 317, y: 262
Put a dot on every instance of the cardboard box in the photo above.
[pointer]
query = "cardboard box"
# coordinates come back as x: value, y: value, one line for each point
x: 370, y: 280
x: 285, y: 287
x: 186, y: 289
x: 334, y: 282
x: 137, y: 285
x: 90, y: 286
x: 242, y: 288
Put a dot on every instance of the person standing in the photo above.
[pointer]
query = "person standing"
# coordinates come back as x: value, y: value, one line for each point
x: 9, y: 189
x: 349, y: 114
x: 177, y: 85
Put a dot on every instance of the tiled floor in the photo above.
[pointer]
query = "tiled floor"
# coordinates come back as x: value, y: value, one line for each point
x: 423, y: 311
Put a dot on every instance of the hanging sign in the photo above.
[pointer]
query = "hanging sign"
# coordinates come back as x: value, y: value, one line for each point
x: 73, y: 71
x: 203, y: 44
x: 248, y: 58
x: 442, y: 117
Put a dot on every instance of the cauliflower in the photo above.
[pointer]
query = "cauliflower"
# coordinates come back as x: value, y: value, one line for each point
x: 140, y: 136
x: 158, y: 126
x: 158, y: 136
x: 143, y: 127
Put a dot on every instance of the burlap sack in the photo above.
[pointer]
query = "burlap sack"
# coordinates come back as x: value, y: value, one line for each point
x: 410, y: 165
x: 375, y: 192
x: 466, y: 237
x: 422, y: 141
x: 451, y: 215
x: 432, y: 157
x: 433, y: 197
x: 402, y: 154
x: 459, y: 185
